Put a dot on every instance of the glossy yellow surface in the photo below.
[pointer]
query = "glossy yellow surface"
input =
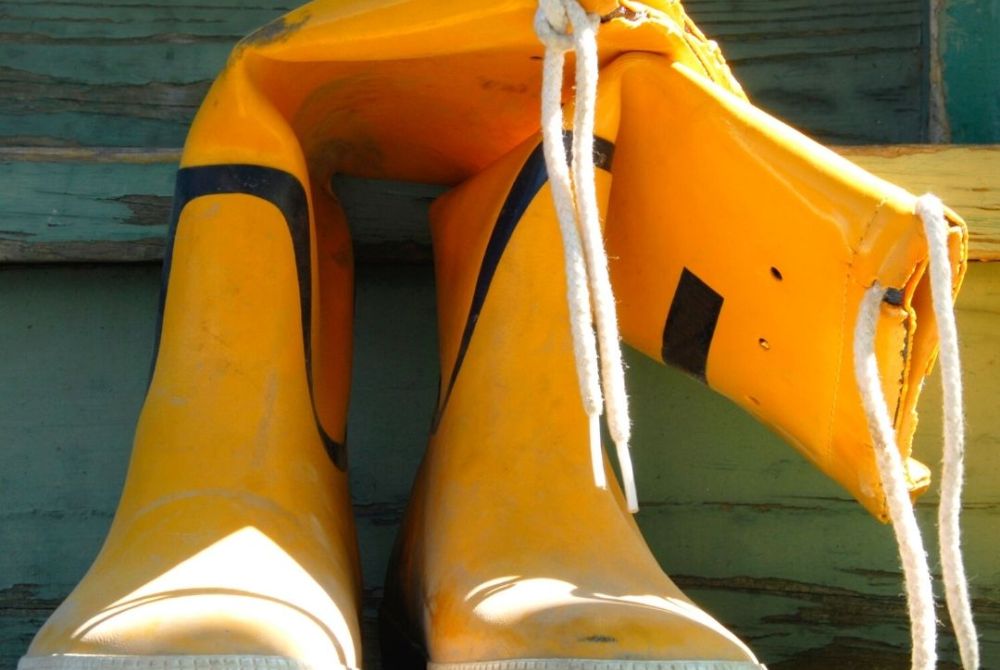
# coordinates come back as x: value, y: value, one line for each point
x: 234, y: 533
x: 787, y: 233
x: 412, y: 90
x: 790, y: 235
x: 509, y: 550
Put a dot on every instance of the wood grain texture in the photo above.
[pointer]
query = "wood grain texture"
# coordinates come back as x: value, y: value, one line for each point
x: 747, y: 527
x: 848, y: 72
x: 966, y: 178
x: 84, y: 210
x: 114, y: 205
x: 108, y: 204
x: 968, y: 40
x: 119, y: 73
x: 129, y: 73
x: 96, y: 96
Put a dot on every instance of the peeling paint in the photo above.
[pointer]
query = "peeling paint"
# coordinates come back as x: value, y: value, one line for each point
x: 146, y: 210
x: 277, y: 31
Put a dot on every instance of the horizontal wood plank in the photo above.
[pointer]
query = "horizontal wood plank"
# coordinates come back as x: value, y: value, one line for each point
x: 848, y: 72
x: 128, y: 73
x: 113, y: 204
x: 966, y: 178
x: 119, y: 73
x: 744, y: 524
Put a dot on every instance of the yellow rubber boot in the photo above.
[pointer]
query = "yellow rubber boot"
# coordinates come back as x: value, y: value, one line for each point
x: 509, y: 552
x: 233, y: 454
x: 436, y: 92
x: 510, y: 557
x: 234, y: 545
x: 740, y: 252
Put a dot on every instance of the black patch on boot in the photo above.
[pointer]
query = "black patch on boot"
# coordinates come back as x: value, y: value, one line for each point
x: 527, y: 184
x: 690, y: 326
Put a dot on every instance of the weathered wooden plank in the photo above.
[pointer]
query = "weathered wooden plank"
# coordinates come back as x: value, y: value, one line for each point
x: 126, y: 155
x: 967, y: 178
x: 969, y: 32
x: 114, y: 73
x: 388, y: 219
x: 101, y: 204
x: 133, y: 73
x: 849, y: 72
x: 72, y: 203
x: 746, y: 526
x: 113, y: 205
x: 85, y: 204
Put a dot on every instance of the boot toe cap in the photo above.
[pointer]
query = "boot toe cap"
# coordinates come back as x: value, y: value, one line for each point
x: 547, y: 618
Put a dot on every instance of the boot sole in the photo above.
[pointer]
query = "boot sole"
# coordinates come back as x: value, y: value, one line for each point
x: 588, y: 664
x: 221, y: 662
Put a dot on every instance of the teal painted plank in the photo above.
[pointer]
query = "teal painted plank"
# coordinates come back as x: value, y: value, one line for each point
x: 791, y: 582
x: 114, y: 74
x: 183, y: 22
x: 746, y: 526
x: 969, y: 39
x: 115, y: 205
x: 137, y: 62
x: 66, y: 418
x: 64, y: 128
x: 106, y: 201
x: 849, y: 72
x: 393, y: 395
x: 133, y: 74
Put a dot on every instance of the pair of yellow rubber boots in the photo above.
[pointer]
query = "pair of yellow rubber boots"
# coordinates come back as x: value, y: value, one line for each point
x: 740, y: 252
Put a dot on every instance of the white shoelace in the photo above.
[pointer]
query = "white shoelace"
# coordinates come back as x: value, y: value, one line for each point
x: 588, y: 284
x: 916, y: 573
x: 589, y: 290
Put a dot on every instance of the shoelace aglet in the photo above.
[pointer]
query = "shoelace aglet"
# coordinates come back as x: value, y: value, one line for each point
x: 597, y: 452
x: 628, y: 476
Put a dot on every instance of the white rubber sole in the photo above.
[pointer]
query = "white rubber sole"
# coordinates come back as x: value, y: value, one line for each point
x: 586, y: 664
x: 226, y: 662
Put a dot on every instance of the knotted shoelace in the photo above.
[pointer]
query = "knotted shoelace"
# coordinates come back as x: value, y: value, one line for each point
x: 563, y: 25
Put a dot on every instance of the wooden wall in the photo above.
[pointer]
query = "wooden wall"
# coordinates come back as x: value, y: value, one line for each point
x: 95, y: 98
x: 131, y: 74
